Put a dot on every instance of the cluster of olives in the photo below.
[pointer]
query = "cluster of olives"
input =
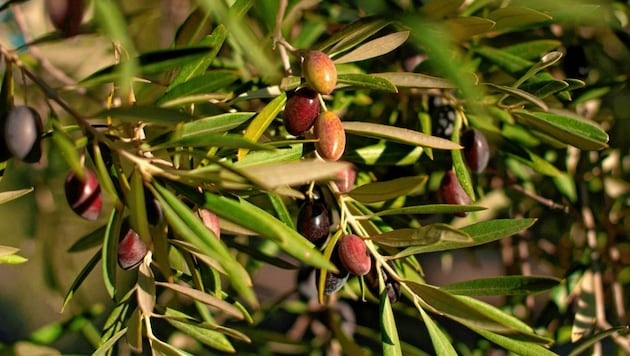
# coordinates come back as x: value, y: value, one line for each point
x: 20, y: 134
x: 302, y: 111
x: 475, y: 149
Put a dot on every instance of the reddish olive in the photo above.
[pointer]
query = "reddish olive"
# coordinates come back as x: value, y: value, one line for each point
x: 344, y: 179
x: 331, y: 136
x: 452, y: 192
x: 301, y: 111
x: 211, y: 221
x: 131, y: 248
x: 22, y: 133
x: 354, y: 255
x: 476, y: 150
x: 84, y: 195
x: 313, y: 222
x: 319, y: 71
x: 65, y: 15
x: 442, y: 117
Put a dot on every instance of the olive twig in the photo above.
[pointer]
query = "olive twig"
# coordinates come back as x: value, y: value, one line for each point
x: 278, y: 39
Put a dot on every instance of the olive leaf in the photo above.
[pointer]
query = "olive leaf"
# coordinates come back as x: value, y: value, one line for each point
x: 375, y: 48
x: 398, y: 134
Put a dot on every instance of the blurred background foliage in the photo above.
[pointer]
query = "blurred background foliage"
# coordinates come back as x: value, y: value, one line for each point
x: 580, y: 198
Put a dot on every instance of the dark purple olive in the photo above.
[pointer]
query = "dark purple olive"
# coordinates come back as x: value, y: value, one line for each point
x: 334, y: 281
x: 153, y: 207
x: 65, y: 15
x: 391, y: 286
x: 354, y: 255
x: 301, y: 111
x: 131, y: 248
x: 211, y: 221
x: 22, y: 133
x: 84, y: 195
x: 452, y: 192
x: 314, y: 222
x: 476, y: 150
x: 442, y: 117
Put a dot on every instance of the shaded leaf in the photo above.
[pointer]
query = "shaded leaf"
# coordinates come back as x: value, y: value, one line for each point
x: 85, y: 271
x: 532, y: 50
x: 375, y: 48
x: 517, y: 346
x: 212, y: 124
x: 147, y: 114
x: 591, y: 340
x: 398, y: 134
x: 430, y: 209
x: 202, y: 84
x: 110, y: 251
x: 134, y: 331
x: 146, y: 288
x: 521, y: 94
x: 389, y: 330
x: 138, y: 207
x: 351, y: 35
x: 515, y: 17
x: 465, y: 28
x: 204, y: 298
x: 421, y: 236
x: 105, y: 347
x: 505, y: 285
x: 367, y: 81
x: 380, y: 191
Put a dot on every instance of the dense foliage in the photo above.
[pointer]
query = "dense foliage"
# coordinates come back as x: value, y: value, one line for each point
x: 377, y: 152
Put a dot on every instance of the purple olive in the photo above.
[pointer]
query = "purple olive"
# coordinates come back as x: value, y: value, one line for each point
x: 476, y: 150
x: 452, y: 192
x: 301, y: 111
x: 319, y: 71
x: 84, y: 195
x: 131, y: 248
x: 392, y: 286
x: 313, y: 222
x: 22, y: 133
x: 65, y: 15
x: 442, y: 117
x: 354, y: 255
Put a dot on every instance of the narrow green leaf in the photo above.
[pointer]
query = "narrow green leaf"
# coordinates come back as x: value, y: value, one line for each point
x: 214, y: 41
x: 14, y: 194
x: 110, y: 251
x: 384, y: 153
x: 165, y: 349
x: 147, y: 114
x: 515, y: 17
x: 138, y: 207
x: 430, y: 209
x: 510, y: 343
x: 262, y: 121
x: 366, y: 81
x: 375, y: 48
x: 134, y: 331
x: 351, y: 35
x: 204, y: 298
x: 68, y: 150
x: 441, y: 9
x: 212, y: 124
x: 520, y: 94
x: 381, y: 191
x: 441, y: 343
x: 207, y: 323
x: 464, y: 28
x: 281, y: 209
x: 85, y: 271
x: 213, y: 140
x: 591, y: 340
x: 459, y: 165
x: 507, y: 61
x: 104, y: 348
x: 255, y: 158
x: 211, y: 338
x: 210, y: 82
x: 398, y: 134
x: 12, y: 259
x: 104, y: 177
x: 415, y: 80
x: 192, y: 229
x: 505, y: 285
x: 251, y: 217
x: 389, y: 330
x: 277, y: 175
x: 255, y: 253
x: 532, y: 50
x: 146, y: 288
x: 481, y: 233
x: 150, y: 63
x: 572, y: 130
x: 421, y: 236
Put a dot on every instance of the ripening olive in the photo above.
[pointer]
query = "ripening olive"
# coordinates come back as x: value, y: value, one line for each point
x: 442, y: 117
x: 65, y: 15
x: 301, y: 111
x: 331, y: 136
x: 319, y: 71
x: 452, y: 192
x: 344, y: 179
x: 313, y: 222
x: 392, y: 286
x: 211, y: 221
x: 354, y: 255
x: 84, y: 195
x: 476, y: 150
x: 22, y: 133
x: 131, y: 248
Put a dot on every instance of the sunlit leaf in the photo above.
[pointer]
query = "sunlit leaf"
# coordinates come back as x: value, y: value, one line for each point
x: 204, y: 298
x: 430, y: 209
x: 513, y: 344
x: 441, y: 343
x: 375, y: 48
x: 380, y: 191
x: 505, y: 285
x: 14, y: 194
x: 146, y: 288
x: 421, y: 236
x: 389, y: 329
x: 212, y: 124
x: 110, y: 251
x: 104, y: 348
x: 78, y: 281
x: 351, y: 35
x: 208, y: 337
x: 210, y: 82
x: 261, y: 122
x: 12, y: 259
x: 134, y: 331
x: 520, y: 94
x: 366, y: 81
x: 398, y: 134
x: 384, y: 153
x: 294, y: 173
